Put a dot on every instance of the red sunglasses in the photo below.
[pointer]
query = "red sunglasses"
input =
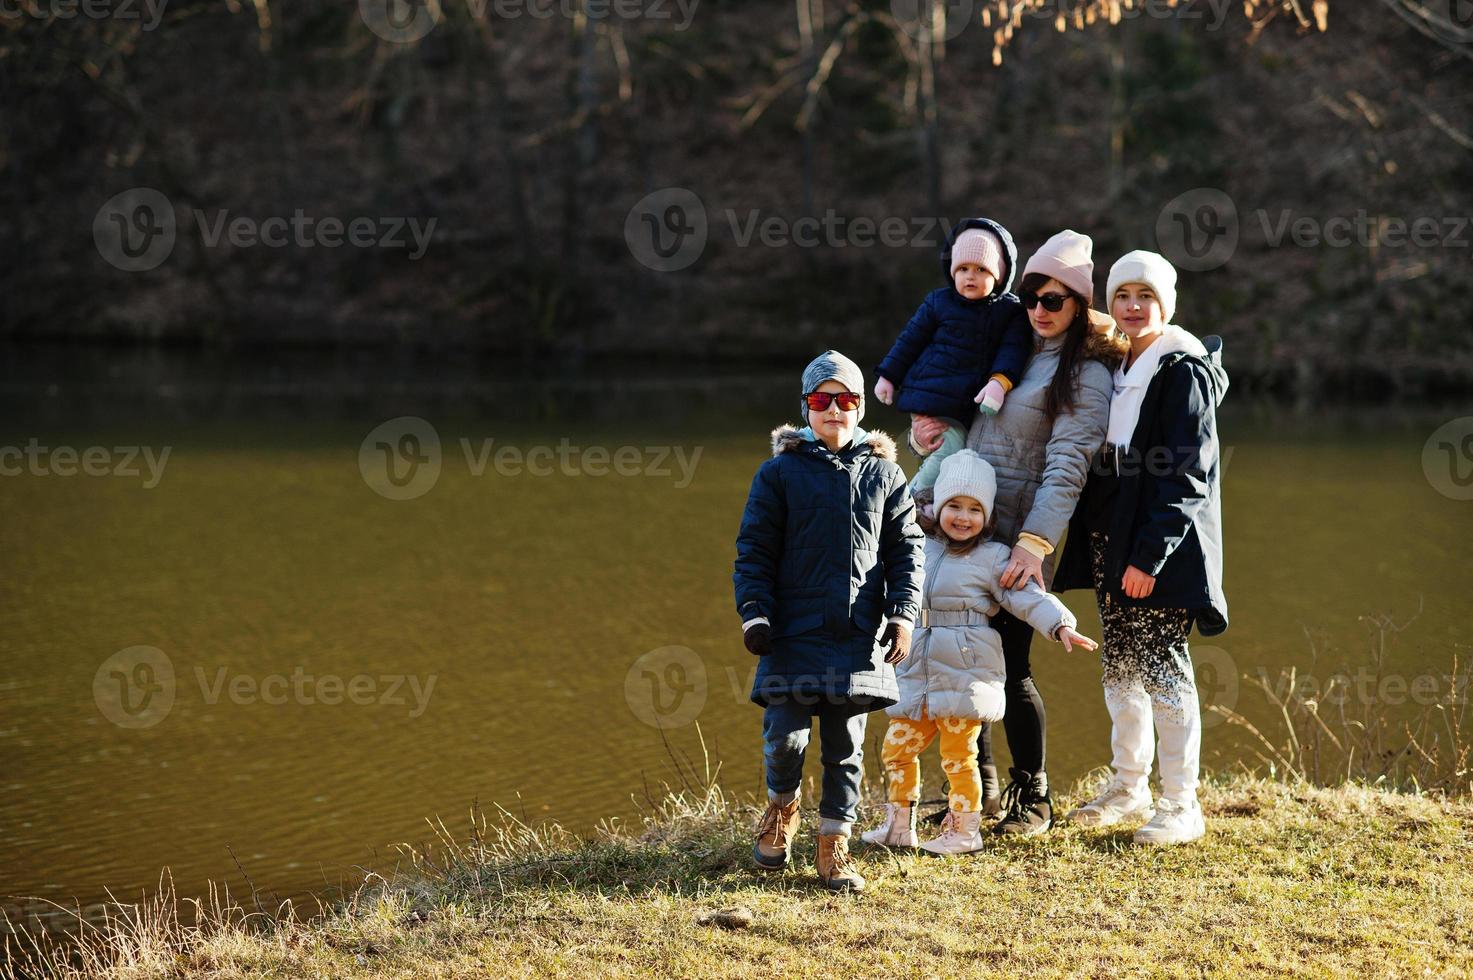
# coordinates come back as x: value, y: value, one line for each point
x: 819, y: 401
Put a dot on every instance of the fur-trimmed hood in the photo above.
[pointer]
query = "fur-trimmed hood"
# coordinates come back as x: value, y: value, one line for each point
x: 787, y: 437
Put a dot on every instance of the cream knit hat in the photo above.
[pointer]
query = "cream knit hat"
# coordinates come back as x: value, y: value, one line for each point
x: 1151, y: 269
x: 965, y: 474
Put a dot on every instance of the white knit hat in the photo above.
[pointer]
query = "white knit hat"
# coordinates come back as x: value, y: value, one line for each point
x: 1148, y: 268
x: 965, y: 474
x: 979, y: 247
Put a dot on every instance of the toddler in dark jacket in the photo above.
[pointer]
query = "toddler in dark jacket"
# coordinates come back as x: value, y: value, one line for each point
x: 970, y: 330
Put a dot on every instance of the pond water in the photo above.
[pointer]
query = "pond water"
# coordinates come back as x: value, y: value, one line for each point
x: 346, y: 665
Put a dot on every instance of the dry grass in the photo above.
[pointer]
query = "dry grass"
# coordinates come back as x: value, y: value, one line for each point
x: 1291, y: 880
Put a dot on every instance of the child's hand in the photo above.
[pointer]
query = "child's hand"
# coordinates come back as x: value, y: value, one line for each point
x: 884, y: 390
x: 928, y: 432
x: 1136, y: 583
x: 1072, y: 638
x: 896, y: 641
x: 991, y: 396
x: 758, y: 639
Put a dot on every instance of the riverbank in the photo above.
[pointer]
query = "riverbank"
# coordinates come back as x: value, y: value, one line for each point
x: 1291, y: 880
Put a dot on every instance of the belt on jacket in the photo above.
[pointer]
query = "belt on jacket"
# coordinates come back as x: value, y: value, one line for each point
x: 952, y: 617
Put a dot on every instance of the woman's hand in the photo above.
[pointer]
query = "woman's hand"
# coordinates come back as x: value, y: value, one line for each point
x: 885, y: 391
x: 1072, y: 638
x: 1025, y: 565
x: 1136, y: 583
x: 928, y: 432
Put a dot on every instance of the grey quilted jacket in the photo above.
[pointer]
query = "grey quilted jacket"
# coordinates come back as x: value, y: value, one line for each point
x: 1041, y: 469
x: 955, y: 668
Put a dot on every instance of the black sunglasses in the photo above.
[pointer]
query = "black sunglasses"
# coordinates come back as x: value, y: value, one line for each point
x: 1053, y: 302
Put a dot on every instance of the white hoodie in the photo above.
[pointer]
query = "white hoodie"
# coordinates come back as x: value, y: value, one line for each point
x: 1130, y: 386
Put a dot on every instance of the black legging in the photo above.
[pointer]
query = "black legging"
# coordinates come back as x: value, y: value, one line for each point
x: 1024, y: 720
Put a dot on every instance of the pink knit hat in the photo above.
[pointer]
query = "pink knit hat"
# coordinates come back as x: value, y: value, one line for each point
x: 979, y: 247
x: 1069, y: 258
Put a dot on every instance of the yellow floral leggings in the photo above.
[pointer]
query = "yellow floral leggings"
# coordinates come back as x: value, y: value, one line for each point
x: 907, y: 738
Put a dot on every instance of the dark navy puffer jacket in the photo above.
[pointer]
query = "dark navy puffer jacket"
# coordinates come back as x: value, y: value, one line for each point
x: 952, y: 344
x: 1165, y: 515
x: 828, y: 550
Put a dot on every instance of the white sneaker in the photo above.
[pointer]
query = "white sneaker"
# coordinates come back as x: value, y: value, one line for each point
x: 1174, y: 823
x: 1116, y: 802
x: 898, y: 830
x: 961, y: 833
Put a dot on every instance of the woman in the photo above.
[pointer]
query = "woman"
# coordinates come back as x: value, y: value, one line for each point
x: 1041, y: 443
x: 1147, y: 537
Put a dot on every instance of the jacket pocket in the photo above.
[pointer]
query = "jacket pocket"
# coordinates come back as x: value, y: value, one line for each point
x: 799, y: 611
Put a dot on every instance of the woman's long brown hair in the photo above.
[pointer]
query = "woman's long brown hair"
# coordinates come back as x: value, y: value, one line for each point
x: 1082, y: 341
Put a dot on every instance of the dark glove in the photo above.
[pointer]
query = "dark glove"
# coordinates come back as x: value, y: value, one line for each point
x: 758, y: 638
x: 896, y: 643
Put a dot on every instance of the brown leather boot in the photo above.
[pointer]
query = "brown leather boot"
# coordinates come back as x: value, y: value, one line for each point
x: 775, y: 832
x: 835, y: 868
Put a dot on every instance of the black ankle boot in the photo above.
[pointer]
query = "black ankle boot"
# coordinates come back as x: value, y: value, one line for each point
x: 1030, y: 810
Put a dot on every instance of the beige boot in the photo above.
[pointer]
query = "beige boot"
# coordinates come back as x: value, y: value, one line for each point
x: 835, y: 868
x: 775, y: 832
x: 961, y: 833
x: 898, y: 830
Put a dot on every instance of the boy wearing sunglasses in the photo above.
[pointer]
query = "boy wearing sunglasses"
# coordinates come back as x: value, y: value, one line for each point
x: 828, y: 582
x: 968, y: 335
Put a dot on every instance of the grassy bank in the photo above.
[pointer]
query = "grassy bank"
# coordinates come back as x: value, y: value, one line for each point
x: 1291, y: 880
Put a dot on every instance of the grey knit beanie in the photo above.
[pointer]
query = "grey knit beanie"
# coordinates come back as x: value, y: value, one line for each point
x: 833, y: 366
